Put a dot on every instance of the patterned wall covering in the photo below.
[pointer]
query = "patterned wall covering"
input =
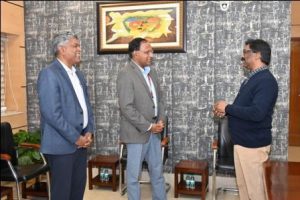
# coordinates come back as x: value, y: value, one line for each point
x: 192, y: 81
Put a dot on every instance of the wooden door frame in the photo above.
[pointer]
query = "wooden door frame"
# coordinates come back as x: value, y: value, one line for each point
x: 293, y: 139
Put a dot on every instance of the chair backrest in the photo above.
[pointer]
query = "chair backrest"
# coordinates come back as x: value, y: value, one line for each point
x: 165, y: 131
x: 225, y: 156
x: 225, y: 145
x: 7, y: 144
x: 163, y: 135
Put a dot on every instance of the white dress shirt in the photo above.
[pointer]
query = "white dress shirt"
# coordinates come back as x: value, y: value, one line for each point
x: 78, y: 90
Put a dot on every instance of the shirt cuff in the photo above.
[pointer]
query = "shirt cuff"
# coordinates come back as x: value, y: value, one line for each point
x: 226, y: 109
x: 150, y: 127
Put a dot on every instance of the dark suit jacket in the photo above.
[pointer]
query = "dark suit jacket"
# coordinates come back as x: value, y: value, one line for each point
x: 61, y: 113
x: 136, y: 104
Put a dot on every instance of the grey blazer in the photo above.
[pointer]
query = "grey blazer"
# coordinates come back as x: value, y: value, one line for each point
x: 61, y: 113
x: 136, y: 104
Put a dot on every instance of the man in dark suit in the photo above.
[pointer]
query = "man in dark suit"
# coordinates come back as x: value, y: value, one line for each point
x: 67, y: 120
x: 142, y: 119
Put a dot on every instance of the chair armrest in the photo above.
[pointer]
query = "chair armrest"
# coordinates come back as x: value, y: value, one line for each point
x: 214, y: 145
x: 30, y: 145
x: 5, y: 156
x: 121, y: 150
x: 164, y: 142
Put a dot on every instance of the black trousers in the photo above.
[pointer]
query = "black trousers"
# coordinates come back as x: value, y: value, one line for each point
x: 68, y: 175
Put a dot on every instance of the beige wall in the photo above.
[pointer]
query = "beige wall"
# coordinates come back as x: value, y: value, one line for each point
x: 12, y: 25
x: 295, y: 19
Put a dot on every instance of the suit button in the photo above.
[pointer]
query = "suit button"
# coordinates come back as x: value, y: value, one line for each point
x: 81, y: 124
x: 81, y: 112
x: 153, y: 106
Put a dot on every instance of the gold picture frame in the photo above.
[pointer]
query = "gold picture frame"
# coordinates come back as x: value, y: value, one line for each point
x: 162, y: 23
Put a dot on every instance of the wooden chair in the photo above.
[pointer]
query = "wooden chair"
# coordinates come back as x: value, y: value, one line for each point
x: 6, y: 192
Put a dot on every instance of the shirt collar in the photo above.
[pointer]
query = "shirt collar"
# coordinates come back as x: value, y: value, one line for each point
x: 68, y: 70
x: 146, y: 70
x: 252, y: 73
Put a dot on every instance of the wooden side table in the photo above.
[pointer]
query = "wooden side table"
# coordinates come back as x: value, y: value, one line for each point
x: 6, y: 191
x: 38, y: 188
x: 107, y: 161
x: 196, y: 167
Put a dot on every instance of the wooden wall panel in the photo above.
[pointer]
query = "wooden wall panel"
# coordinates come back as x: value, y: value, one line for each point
x: 295, y: 19
x: 12, y: 25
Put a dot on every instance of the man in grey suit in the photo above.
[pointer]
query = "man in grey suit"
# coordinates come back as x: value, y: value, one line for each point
x: 67, y: 120
x: 142, y: 119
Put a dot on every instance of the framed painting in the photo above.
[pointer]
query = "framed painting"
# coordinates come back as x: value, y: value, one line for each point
x: 162, y: 23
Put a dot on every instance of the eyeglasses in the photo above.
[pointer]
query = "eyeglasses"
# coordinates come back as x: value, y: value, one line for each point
x: 245, y: 51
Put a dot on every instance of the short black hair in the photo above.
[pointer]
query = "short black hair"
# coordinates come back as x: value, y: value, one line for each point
x: 135, y: 45
x: 258, y: 45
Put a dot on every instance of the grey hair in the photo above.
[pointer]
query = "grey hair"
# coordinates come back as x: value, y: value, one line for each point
x: 61, y: 39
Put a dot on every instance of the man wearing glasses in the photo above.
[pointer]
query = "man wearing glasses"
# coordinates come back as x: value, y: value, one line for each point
x: 250, y: 119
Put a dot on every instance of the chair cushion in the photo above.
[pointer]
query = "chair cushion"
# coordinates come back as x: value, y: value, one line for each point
x: 24, y: 172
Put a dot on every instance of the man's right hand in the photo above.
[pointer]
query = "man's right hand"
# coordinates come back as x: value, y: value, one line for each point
x: 158, y: 127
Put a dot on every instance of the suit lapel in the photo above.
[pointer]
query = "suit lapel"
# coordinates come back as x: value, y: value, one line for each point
x: 63, y: 72
x: 141, y: 77
x: 65, y: 75
x: 154, y: 81
x: 82, y: 83
x: 80, y: 78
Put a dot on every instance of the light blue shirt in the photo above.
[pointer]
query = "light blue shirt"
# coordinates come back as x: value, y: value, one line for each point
x: 145, y: 71
x: 150, y: 84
